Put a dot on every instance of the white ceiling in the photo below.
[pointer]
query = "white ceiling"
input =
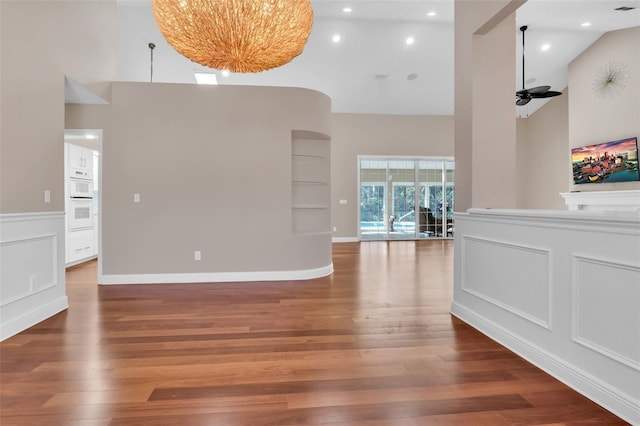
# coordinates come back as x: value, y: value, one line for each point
x: 366, y: 72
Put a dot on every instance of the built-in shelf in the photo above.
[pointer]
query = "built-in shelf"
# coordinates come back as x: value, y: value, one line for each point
x: 309, y: 234
x: 310, y: 206
x: 307, y: 182
x: 320, y: 157
x: 310, y: 192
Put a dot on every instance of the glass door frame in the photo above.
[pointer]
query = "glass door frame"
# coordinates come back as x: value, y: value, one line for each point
x: 389, y: 196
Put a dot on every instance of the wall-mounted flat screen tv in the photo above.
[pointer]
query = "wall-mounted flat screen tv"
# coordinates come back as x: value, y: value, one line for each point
x: 607, y: 162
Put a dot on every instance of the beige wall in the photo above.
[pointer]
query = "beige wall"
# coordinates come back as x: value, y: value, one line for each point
x: 370, y: 134
x: 578, y: 118
x: 544, y: 164
x: 595, y: 120
x: 41, y: 42
x: 482, y: 124
x: 494, y: 124
x: 213, y: 168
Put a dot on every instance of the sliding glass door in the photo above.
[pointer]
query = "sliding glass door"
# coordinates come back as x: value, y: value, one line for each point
x: 373, y: 199
x: 406, y: 198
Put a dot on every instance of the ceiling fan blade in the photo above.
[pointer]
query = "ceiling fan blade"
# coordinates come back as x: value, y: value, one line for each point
x: 539, y: 89
x: 549, y: 94
x: 523, y: 101
x: 522, y: 92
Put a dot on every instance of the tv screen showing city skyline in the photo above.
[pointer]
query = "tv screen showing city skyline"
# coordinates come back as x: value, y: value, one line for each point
x: 608, y: 162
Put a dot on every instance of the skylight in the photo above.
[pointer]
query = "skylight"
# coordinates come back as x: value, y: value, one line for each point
x: 206, y: 78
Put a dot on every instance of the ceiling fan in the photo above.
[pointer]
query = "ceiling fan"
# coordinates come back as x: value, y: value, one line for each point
x: 524, y: 96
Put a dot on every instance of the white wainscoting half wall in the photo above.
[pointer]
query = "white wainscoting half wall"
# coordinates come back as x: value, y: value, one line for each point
x: 32, y: 272
x: 562, y: 290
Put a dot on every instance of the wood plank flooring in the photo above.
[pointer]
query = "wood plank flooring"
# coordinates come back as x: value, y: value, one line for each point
x: 373, y: 344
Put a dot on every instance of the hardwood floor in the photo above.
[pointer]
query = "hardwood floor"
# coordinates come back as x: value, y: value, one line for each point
x: 373, y: 344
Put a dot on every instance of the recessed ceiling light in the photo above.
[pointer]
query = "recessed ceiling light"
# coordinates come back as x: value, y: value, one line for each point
x: 412, y: 76
x: 410, y: 40
x: 336, y: 38
x: 585, y: 24
x: 347, y: 10
x: 545, y: 47
x: 432, y: 13
x: 205, y: 78
x: 226, y: 73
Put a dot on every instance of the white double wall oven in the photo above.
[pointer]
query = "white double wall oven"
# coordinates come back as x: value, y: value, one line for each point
x: 81, y: 197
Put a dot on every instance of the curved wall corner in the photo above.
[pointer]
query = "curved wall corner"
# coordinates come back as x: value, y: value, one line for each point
x: 218, y: 170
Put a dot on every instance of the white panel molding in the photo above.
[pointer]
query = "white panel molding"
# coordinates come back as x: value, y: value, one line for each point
x: 33, y: 317
x: 620, y: 403
x: 611, y: 222
x: 464, y: 253
x: 581, y: 340
x: 29, y: 217
x: 603, y: 247
x: 213, y: 277
x: 29, y: 291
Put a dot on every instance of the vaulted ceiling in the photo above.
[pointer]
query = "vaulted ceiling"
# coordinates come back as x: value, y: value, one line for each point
x: 372, y: 69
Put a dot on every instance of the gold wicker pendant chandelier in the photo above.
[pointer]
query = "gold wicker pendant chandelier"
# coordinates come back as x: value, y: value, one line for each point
x: 236, y: 35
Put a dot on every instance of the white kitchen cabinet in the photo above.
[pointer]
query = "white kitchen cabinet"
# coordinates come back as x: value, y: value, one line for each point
x: 81, y: 245
x: 80, y: 223
x: 80, y: 162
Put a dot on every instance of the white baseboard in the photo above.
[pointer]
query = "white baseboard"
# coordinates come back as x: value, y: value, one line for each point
x: 598, y: 391
x: 33, y: 317
x: 78, y: 262
x: 210, y: 277
x: 345, y: 240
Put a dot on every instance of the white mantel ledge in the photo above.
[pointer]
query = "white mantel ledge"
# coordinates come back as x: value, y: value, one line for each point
x: 603, y: 200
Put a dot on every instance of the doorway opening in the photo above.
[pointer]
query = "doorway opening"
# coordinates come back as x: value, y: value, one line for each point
x: 83, y: 196
x: 405, y: 198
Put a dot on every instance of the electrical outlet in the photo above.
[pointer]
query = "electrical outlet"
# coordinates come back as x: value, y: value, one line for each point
x: 47, y: 196
x: 197, y: 255
x: 136, y: 198
x: 335, y: 229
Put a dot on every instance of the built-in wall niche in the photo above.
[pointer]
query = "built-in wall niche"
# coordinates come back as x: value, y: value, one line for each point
x: 310, y: 177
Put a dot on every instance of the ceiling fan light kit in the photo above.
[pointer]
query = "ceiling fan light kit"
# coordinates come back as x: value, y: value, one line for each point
x: 237, y: 35
x: 525, y: 96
